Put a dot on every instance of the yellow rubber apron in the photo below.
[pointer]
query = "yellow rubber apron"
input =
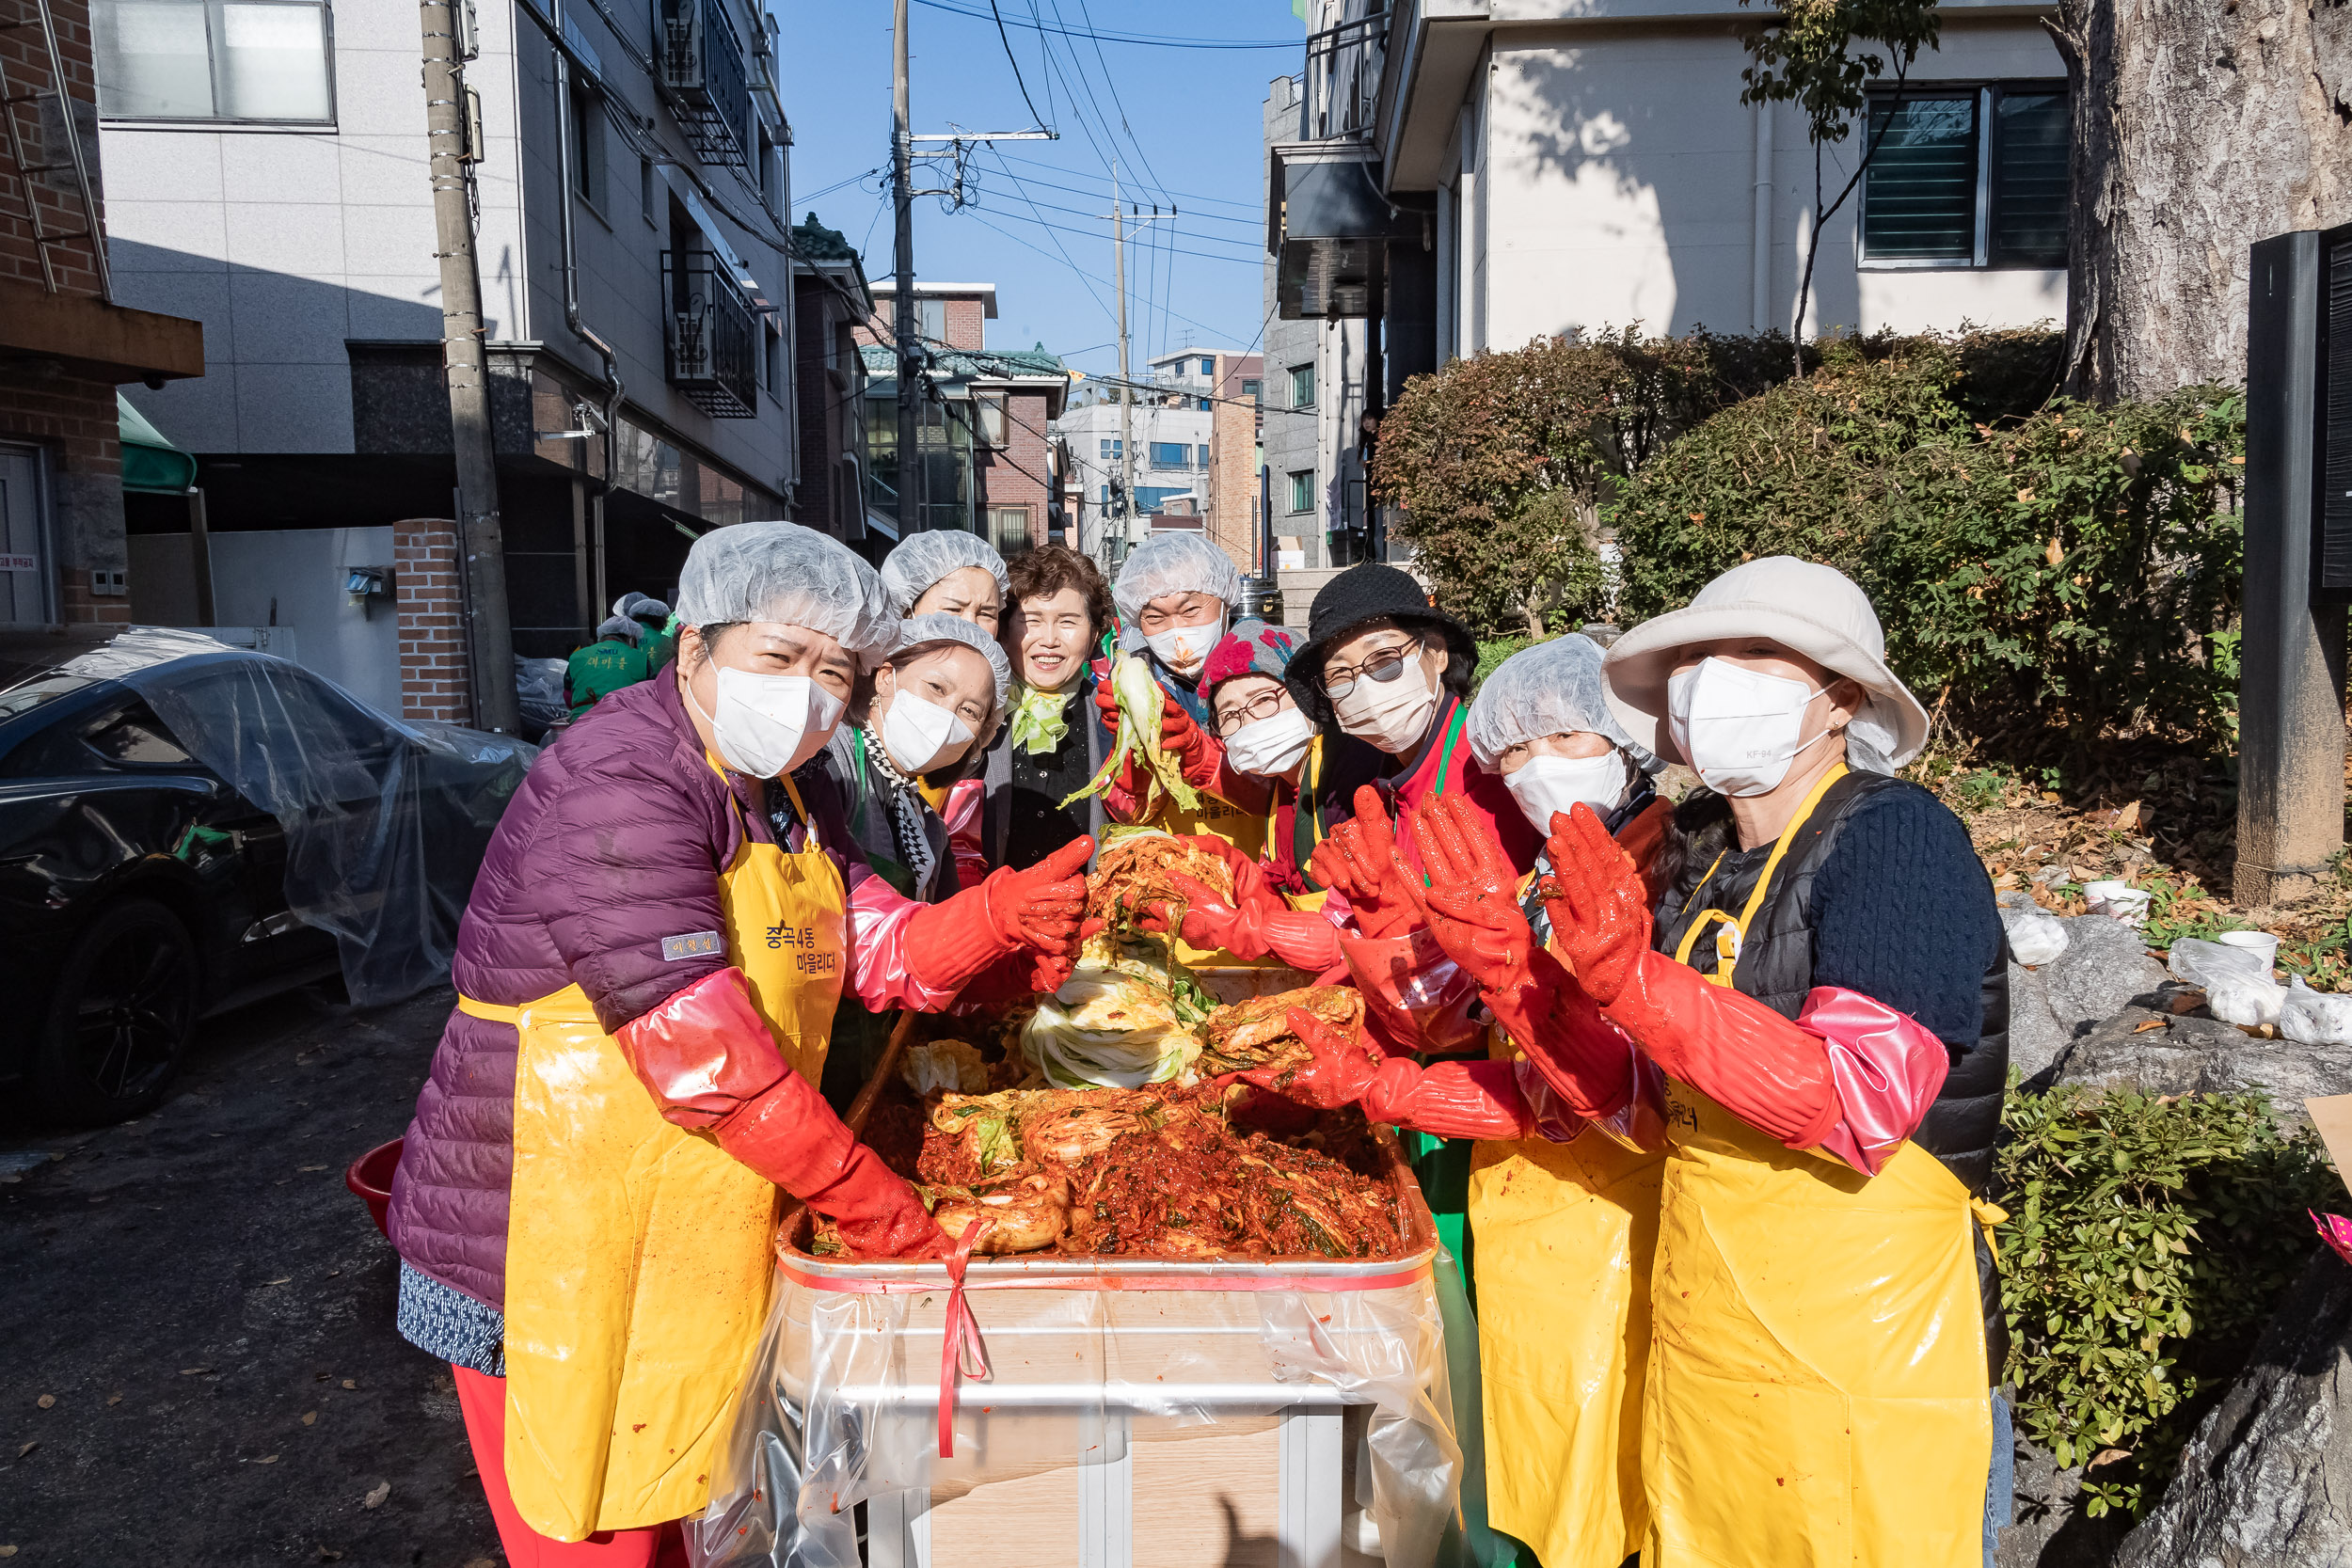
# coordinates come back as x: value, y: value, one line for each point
x: 638, y: 1252
x: 1817, y: 1390
x: 1564, y: 1235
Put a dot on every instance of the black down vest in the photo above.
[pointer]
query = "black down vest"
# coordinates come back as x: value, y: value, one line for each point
x: 1775, y: 967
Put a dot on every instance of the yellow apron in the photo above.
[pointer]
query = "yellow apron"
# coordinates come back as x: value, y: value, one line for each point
x: 1563, y: 1234
x: 1818, y: 1384
x: 637, y: 1252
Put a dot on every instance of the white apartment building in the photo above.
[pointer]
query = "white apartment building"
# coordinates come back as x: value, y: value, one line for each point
x: 267, y: 166
x: 1173, y: 426
x: 1449, y: 176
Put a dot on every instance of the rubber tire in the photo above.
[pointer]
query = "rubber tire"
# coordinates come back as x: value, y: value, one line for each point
x: 63, y: 1088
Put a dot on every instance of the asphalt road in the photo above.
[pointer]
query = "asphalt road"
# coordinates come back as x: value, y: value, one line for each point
x: 199, y: 1364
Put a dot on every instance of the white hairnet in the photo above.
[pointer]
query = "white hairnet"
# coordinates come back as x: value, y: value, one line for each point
x: 626, y: 603
x: 1174, y: 564
x: 921, y: 560
x: 784, y: 572
x: 922, y: 633
x: 620, y: 625
x: 1551, y: 689
x: 649, y: 610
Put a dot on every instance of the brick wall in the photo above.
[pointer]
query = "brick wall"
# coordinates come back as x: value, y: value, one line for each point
x: 1017, y: 474
x: 433, y: 683
x: 27, y: 65
x: 1233, y: 461
x: 76, y: 420
x: 967, y: 322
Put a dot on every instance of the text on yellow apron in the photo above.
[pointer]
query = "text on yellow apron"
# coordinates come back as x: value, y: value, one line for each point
x: 638, y: 1252
x: 1817, y: 1385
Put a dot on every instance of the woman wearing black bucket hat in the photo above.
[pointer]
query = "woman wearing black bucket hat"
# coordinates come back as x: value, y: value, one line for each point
x: 1388, y: 678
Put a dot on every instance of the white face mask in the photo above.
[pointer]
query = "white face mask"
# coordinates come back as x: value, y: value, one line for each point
x: 1269, y: 746
x: 768, y: 725
x: 1740, y: 729
x: 1547, y: 784
x: 1393, y: 715
x: 917, y: 732
x: 1185, y: 649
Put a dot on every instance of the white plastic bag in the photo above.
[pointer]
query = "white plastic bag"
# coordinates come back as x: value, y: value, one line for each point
x: 2309, y: 1017
x: 2236, y: 979
x: 2035, y: 936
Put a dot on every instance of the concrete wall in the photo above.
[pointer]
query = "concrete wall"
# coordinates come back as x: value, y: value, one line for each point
x: 294, y: 577
x: 1605, y: 176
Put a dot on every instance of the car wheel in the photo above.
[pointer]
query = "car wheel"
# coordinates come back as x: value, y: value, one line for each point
x: 121, y: 1017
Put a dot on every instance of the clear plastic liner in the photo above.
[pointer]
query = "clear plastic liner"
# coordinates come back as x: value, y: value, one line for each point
x: 1091, y: 1363
x: 386, y: 819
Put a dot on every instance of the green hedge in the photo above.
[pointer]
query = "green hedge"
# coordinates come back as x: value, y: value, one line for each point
x: 2075, y: 566
x: 2147, y: 1243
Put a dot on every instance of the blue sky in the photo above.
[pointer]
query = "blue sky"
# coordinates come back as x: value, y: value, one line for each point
x: 1191, y: 140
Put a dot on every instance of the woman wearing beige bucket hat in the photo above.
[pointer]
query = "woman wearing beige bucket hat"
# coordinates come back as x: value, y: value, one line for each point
x: 1823, y: 980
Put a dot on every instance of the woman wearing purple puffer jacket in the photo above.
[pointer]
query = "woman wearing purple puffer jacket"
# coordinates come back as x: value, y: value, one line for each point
x: 647, y: 974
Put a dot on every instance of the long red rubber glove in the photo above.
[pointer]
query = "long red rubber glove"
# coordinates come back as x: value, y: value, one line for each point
x: 1754, y: 1063
x: 1472, y: 905
x: 1257, y: 921
x: 947, y: 944
x: 1449, y: 1100
x: 1359, y: 861
x: 710, y: 1063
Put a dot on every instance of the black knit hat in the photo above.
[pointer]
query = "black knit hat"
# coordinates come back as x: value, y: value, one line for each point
x: 1373, y: 592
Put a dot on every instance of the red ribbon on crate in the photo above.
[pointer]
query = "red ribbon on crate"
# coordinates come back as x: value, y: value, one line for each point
x: 959, y: 1349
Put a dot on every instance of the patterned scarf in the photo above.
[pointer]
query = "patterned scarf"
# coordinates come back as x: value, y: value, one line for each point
x: 1040, y: 720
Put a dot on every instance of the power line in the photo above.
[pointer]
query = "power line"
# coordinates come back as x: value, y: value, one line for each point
x: 1057, y: 244
x: 1065, y: 229
x: 1256, y: 224
x: 1252, y: 252
x: 1005, y: 39
x: 1140, y: 40
x: 1188, y: 196
x: 974, y: 215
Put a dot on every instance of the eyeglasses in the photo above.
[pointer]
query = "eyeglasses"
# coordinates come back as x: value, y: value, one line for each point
x: 1383, y: 667
x: 1265, y: 705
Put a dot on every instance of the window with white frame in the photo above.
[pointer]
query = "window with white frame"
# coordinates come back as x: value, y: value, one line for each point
x: 1967, y: 176
x: 991, y: 408
x: 1302, y: 386
x: 256, y: 61
x: 1303, y: 490
x: 1172, y: 454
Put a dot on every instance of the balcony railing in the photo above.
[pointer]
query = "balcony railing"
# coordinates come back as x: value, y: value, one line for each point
x: 713, y: 352
x: 701, y: 64
x: 1342, y: 87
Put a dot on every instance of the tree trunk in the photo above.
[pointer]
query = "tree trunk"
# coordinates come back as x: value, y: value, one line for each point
x: 2201, y: 126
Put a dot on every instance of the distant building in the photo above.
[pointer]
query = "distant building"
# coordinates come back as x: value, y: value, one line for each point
x: 1196, y: 437
x: 987, y: 430
x: 832, y: 303
x: 272, y: 180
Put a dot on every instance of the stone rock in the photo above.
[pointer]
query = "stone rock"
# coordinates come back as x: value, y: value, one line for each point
x: 2048, y: 1531
x: 2104, y: 966
x: 2267, y: 1481
x: 2193, y: 1054
x: 2036, y: 1039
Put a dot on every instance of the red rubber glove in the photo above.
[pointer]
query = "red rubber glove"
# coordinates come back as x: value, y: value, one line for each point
x: 710, y: 1063
x: 947, y: 944
x: 1471, y: 903
x: 1359, y: 861
x: 1257, y: 921
x: 1450, y: 1099
x: 1754, y: 1063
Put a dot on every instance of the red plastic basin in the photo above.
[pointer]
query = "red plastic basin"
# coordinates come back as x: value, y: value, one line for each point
x: 370, y: 1178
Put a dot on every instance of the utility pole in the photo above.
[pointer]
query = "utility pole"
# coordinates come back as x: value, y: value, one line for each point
x: 903, y: 268
x: 1126, y: 391
x: 1119, y: 216
x: 481, y: 544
